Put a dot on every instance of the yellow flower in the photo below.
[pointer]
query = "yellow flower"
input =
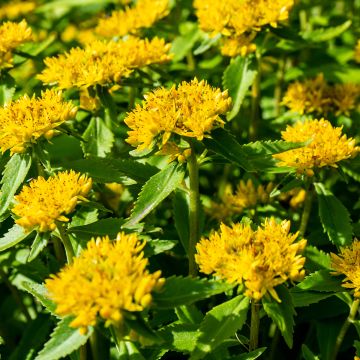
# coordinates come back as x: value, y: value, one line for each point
x: 25, y: 120
x: 344, y: 98
x: 143, y: 15
x: 81, y: 35
x: 11, y: 36
x: 192, y: 109
x: 247, y: 195
x: 312, y: 95
x: 328, y: 146
x: 238, y: 45
x: 348, y: 264
x: 15, y: 9
x: 295, y: 197
x: 108, y: 278
x: 316, y: 95
x: 234, y: 17
x: 260, y: 260
x: 43, y: 202
x: 103, y: 62
x: 357, y: 52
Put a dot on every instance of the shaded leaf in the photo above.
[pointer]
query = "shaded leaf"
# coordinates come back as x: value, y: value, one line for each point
x: 334, y: 217
x: 237, y: 78
x: 251, y: 355
x: 219, y: 324
x: 41, y: 294
x: 308, y: 354
x: 155, y: 190
x: 181, y: 217
x: 306, y: 298
x: 38, y: 245
x: 282, y: 313
x: 180, y: 290
x: 326, y: 34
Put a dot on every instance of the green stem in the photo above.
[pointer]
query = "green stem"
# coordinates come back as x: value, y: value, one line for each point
x: 132, y: 97
x: 16, y: 295
x: 194, y: 209
x: 83, y: 352
x: 255, y: 105
x: 306, y: 211
x: 349, y: 320
x: 66, y: 242
x: 279, y: 84
x: 254, y: 326
x: 98, y: 350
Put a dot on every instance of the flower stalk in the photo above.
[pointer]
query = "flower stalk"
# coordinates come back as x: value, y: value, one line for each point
x: 194, y: 209
x: 254, y: 326
x: 255, y: 105
x: 349, y: 320
x: 70, y: 254
x: 306, y: 212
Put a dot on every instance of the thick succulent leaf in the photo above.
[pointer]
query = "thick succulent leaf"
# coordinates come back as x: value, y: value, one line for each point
x: 13, y: 176
x: 155, y: 190
x: 334, y: 217
x: 15, y: 235
x: 180, y: 290
x: 220, y: 323
x: 282, y: 313
x: 64, y: 340
x: 237, y: 79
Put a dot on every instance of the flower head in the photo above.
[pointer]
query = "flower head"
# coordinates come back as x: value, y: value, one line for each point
x: 348, y: 264
x: 108, y: 278
x: 143, y: 15
x: 103, y: 62
x: 317, y: 96
x: 328, y: 145
x: 25, y: 120
x: 11, y: 36
x: 247, y: 195
x: 14, y: 9
x: 260, y: 260
x: 238, y: 45
x: 192, y: 109
x: 44, y: 201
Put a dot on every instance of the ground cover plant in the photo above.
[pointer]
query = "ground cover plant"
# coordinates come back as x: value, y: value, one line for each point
x: 180, y: 179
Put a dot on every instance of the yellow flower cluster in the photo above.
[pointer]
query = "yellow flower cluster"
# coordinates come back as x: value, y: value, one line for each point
x: 328, y: 146
x: 108, y: 277
x: 143, y: 15
x: 25, y: 120
x: 348, y: 264
x: 14, y: 9
x: 260, y: 260
x: 357, y: 52
x: 192, y: 109
x: 103, y: 62
x: 43, y: 202
x: 247, y: 195
x: 317, y: 96
x: 237, y: 19
x: 238, y: 45
x: 11, y: 36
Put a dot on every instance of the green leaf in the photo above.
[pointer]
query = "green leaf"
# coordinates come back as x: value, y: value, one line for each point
x: 112, y: 170
x: 136, y: 322
x: 7, y: 88
x: 306, y: 298
x: 189, y: 314
x: 129, y: 351
x: 154, y: 247
x: 282, y: 313
x: 238, y: 77
x: 64, y: 340
x: 321, y: 280
x: 308, y: 354
x: 155, y: 190
x: 251, y: 157
x: 251, y: 355
x: 180, y: 290
x: 98, y: 138
x: 13, y: 176
x: 334, y: 217
x: 108, y: 226
x: 207, y: 43
x: 13, y: 237
x: 326, y: 34
x: 41, y: 294
x: 220, y: 323
x: 181, y: 217
x: 180, y: 337
x: 38, y: 245
x: 316, y: 259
